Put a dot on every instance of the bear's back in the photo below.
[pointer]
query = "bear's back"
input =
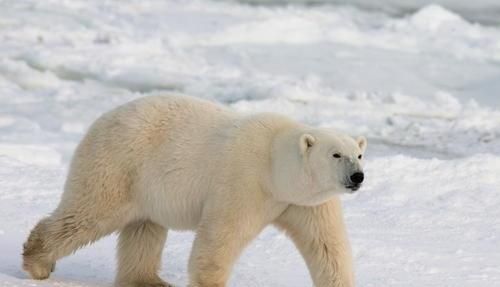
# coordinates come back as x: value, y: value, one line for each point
x: 151, y: 123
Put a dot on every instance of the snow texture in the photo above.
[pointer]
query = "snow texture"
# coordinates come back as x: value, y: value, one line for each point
x: 482, y: 11
x: 423, y: 86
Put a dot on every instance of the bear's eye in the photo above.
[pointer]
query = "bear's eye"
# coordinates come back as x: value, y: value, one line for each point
x: 360, y: 156
x: 336, y: 155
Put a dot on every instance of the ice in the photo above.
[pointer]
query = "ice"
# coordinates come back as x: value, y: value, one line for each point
x: 482, y: 11
x: 422, y: 82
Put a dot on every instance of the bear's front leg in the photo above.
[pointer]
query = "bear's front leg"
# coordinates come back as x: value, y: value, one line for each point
x: 319, y: 234
x: 221, y: 237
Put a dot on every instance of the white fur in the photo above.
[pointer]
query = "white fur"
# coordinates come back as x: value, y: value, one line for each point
x: 171, y: 162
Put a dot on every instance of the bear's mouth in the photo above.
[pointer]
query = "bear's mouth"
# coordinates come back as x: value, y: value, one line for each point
x: 353, y: 187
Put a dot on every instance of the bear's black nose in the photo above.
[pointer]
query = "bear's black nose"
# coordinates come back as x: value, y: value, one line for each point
x: 357, y: 177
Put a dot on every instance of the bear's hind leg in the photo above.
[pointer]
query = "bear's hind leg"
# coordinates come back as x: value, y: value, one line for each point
x: 35, y: 260
x: 140, y: 248
x: 64, y: 232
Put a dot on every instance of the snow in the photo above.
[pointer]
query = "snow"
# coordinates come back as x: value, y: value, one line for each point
x: 423, y: 86
x: 482, y: 11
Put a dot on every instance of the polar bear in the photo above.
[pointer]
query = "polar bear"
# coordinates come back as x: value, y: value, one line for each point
x: 181, y: 163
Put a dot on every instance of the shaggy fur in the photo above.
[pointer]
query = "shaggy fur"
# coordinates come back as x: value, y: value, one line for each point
x: 171, y: 162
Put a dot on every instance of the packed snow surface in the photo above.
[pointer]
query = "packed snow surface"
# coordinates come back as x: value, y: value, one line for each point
x: 423, y: 87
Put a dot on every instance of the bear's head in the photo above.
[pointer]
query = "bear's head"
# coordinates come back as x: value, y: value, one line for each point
x: 310, y: 166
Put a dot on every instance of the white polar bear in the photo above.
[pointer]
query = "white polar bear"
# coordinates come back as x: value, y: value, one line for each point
x: 176, y: 162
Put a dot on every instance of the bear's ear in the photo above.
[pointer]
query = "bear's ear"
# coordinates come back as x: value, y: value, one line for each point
x: 362, y: 143
x: 306, y: 142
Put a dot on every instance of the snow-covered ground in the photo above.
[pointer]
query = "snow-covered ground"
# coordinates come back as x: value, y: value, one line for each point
x: 482, y: 11
x: 424, y: 88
